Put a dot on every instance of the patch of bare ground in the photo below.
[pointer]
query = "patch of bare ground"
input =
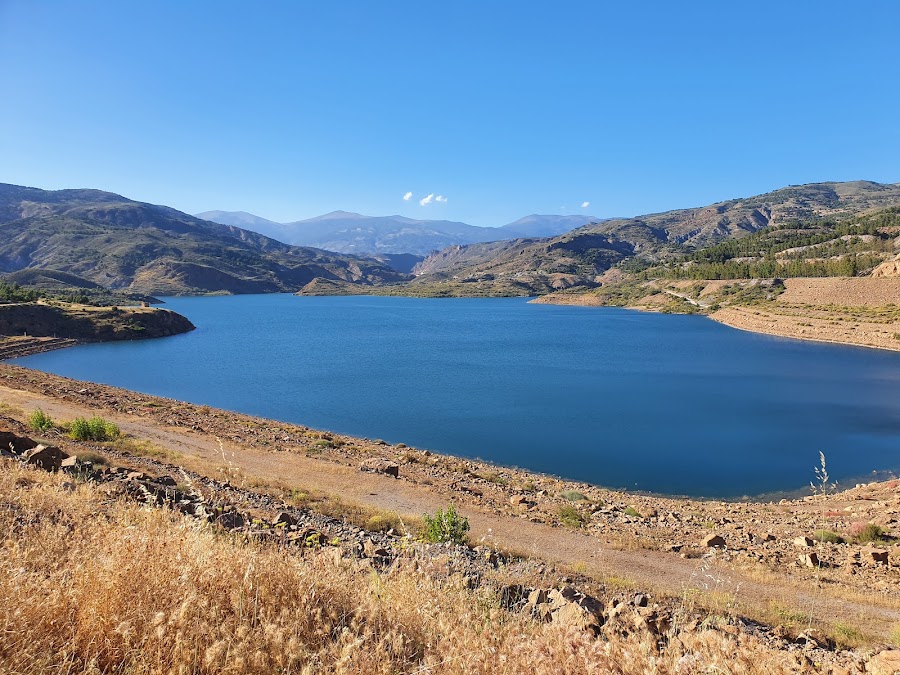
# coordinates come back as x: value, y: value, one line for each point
x: 621, y: 540
x: 855, y: 311
x: 850, y: 292
x: 108, y: 574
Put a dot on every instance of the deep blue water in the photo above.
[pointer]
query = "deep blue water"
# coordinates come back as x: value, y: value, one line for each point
x: 673, y: 404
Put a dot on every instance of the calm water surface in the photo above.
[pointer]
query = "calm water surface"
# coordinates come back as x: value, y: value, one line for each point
x: 673, y: 404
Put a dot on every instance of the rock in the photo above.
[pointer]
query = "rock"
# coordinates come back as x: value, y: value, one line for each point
x: 885, y: 663
x: 639, y: 600
x: 166, y: 481
x: 136, y: 475
x: 372, y: 550
x: 69, y: 462
x: 18, y: 444
x: 381, y: 465
x: 804, y: 542
x: 714, y: 541
x: 231, y: 520
x: 768, y: 536
x: 284, y: 518
x: 46, y: 457
x: 517, y: 500
x: 566, y: 606
x: 809, y: 559
x: 875, y: 555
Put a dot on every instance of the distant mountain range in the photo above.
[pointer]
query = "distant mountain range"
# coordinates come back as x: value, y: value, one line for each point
x: 122, y: 244
x: 346, y: 232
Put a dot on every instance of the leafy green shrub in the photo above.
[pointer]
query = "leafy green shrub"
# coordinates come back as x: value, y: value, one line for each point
x: 445, y: 526
x: 40, y: 421
x: 633, y: 512
x: 570, y: 516
x: 572, y: 496
x: 866, y: 533
x: 828, y: 537
x: 94, y: 429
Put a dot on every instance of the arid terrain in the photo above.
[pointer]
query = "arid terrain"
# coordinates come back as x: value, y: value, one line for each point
x: 863, y: 311
x: 796, y: 565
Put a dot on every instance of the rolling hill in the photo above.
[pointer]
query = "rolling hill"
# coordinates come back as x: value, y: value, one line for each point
x: 123, y: 244
x: 579, y: 257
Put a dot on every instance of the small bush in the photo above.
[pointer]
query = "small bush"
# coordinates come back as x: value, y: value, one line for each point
x: 866, y: 533
x: 445, y: 526
x: 40, y: 421
x: 570, y: 516
x: 573, y: 496
x: 94, y: 458
x: 633, y: 512
x: 382, y: 522
x: 828, y: 537
x: 94, y: 429
x: 846, y: 636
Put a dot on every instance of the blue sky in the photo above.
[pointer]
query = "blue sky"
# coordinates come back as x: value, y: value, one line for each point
x: 292, y: 109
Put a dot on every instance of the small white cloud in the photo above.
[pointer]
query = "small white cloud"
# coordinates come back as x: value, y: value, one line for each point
x: 407, y: 196
x: 425, y: 201
x: 441, y: 198
x: 584, y: 205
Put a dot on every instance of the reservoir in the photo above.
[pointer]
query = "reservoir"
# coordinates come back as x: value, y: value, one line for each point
x: 662, y: 403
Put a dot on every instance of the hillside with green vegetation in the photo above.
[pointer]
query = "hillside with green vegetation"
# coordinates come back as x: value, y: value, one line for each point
x: 580, y: 257
x: 130, y: 246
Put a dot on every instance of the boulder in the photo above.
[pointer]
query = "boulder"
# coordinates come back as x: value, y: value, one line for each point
x: 714, y: 541
x: 381, y: 465
x: 373, y: 550
x: 18, y: 444
x: 566, y: 606
x: 875, y: 555
x: 885, y: 663
x: 231, y: 520
x: 46, y: 457
x: 809, y: 559
x: 804, y: 542
x: 284, y: 518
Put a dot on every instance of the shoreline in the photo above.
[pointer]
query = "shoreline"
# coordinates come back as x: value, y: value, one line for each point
x: 853, y: 312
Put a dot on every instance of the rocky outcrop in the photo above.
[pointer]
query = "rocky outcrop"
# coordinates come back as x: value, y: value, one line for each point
x: 90, y: 324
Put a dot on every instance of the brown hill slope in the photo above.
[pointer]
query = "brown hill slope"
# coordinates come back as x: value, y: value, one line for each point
x: 592, y: 249
x: 123, y: 244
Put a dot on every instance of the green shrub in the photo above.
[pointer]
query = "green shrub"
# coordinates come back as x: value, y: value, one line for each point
x: 572, y: 496
x: 633, y: 512
x: 40, y: 421
x: 570, y: 516
x: 445, y: 526
x: 828, y: 537
x: 94, y: 429
x: 866, y: 533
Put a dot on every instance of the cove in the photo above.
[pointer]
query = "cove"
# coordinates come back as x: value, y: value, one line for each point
x: 661, y: 403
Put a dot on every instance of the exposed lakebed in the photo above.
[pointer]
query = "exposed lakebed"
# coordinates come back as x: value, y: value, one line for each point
x: 664, y: 403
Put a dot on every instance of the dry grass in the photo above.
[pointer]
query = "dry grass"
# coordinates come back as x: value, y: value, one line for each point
x: 92, y: 587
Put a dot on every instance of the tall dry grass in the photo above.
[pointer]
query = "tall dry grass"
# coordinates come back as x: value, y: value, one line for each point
x: 88, y: 586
